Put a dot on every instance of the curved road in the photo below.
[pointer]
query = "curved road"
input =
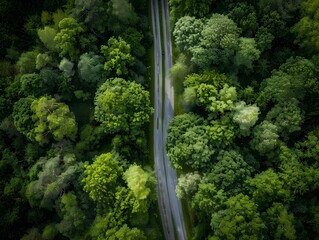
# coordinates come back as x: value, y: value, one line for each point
x: 169, y: 204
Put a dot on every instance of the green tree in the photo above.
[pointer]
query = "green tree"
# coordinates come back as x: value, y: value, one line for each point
x: 139, y: 181
x: 187, y: 185
x: 93, y: 13
x: 280, y: 223
x: 193, y: 150
x: 230, y: 172
x: 245, y: 116
x: 306, y: 29
x: 27, y: 61
x: 179, y: 125
x: 247, y: 53
x: 239, y: 220
x: 66, y: 67
x: 52, y: 117
x: 47, y: 35
x: 219, y: 42
x: 101, y: 178
x: 22, y: 116
x: 268, y: 187
x: 118, y: 56
x: 208, y: 198
x: 50, y: 177
x: 265, y: 137
x: 71, y: 38
x: 189, y: 7
x: 287, y: 116
x: 187, y: 32
x: 122, y: 106
x: 90, y: 68
x: 73, y: 220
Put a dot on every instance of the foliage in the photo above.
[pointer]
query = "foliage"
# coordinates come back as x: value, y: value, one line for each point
x: 265, y: 138
x: 187, y: 185
x: 55, y: 176
x: 239, y: 220
x: 306, y: 29
x: 230, y: 172
x: 187, y: 32
x: 193, y: 150
x: 101, y: 177
x: 118, y: 56
x: 218, y: 43
x: 245, y: 116
x: 122, y: 106
x: 51, y: 117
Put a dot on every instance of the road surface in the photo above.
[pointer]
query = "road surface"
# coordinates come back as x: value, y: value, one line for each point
x: 169, y: 205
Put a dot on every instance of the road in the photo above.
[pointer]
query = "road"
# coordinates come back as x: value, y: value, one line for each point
x: 169, y: 205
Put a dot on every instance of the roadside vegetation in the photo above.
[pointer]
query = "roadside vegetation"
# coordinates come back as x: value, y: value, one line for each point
x: 245, y: 138
x: 75, y: 111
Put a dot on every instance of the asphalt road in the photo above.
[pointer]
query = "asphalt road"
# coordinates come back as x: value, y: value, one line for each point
x: 169, y: 204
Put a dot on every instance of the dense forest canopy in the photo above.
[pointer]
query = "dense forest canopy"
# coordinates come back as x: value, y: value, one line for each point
x: 246, y: 138
x: 75, y: 108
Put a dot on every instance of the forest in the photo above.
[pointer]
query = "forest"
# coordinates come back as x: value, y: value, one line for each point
x: 76, y: 114
x: 75, y: 111
x: 245, y: 138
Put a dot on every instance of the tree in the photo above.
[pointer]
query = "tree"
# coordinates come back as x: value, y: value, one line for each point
x: 93, y: 13
x: 239, y: 220
x: 221, y: 132
x: 265, y: 137
x: 208, y: 199
x: 280, y: 223
x: 139, y: 181
x: 189, y: 7
x: 43, y: 59
x: 129, y: 233
x: 90, y: 68
x: 22, y: 116
x: 244, y: 15
x: 47, y: 35
x: 122, y: 106
x: 66, y: 67
x: 187, y: 185
x: 27, y: 61
x: 193, y: 150
x: 71, y: 38
x: 187, y: 32
x: 306, y: 29
x: 49, y: 116
x: 133, y: 37
x: 223, y: 101
x: 267, y: 188
x: 247, y: 53
x: 118, y: 56
x: 287, y: 116
x: 219, y: 42
x: 101, y: 178
x: 245, y: 116
x: 73, y: 220
x: 230, y: 172
x: 309, y: 147
x: 179, y: 125
x: 32, y: 84
x: 55, y: 176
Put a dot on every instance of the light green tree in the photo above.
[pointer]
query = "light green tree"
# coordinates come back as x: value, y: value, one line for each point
x: 187, y: 32
x: 101, y: 178
x: 52, y: 118
x: 187, y: 185
x: 245, y: 116
x: 47, y: 35
x: 122, y: 106
x: 118, y: 56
